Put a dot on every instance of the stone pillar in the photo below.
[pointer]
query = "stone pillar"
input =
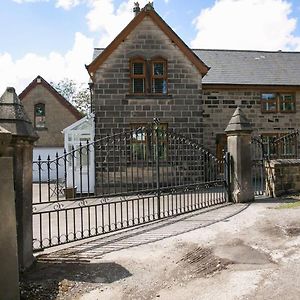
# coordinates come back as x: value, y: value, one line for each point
x: 14, y: 119
x: 9, y: 275
x: 239, y: 146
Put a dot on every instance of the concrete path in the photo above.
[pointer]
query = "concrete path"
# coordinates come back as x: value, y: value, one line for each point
x: 241, y: 251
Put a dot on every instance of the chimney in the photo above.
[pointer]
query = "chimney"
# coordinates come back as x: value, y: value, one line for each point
x: 136, y: 8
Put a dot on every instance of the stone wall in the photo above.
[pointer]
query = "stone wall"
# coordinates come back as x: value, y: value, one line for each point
x: 282, y: 176
x: 115, y: 108
x: 220, y: 103
x: 58, y: 116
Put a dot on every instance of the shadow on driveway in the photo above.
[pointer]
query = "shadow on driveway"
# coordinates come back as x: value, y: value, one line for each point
x: 148, y: 233
x: 46, y: 279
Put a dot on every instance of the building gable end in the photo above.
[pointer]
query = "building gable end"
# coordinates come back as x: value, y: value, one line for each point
x: 101, y: 58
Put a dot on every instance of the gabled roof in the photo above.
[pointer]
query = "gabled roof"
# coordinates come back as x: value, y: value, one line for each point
x: 41, y: 81
x: 97, y: 62
x: 245, y: 67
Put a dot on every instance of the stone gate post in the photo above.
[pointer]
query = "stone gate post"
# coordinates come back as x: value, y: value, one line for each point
x: 9, y: 275
x: 239, y: 146
x: 14, y: 119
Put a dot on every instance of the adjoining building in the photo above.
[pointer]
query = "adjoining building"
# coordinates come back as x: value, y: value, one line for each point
x: 49, y: 113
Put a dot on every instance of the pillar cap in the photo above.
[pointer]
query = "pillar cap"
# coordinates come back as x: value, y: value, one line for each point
x: 238, y: 122
x: 13, y: 116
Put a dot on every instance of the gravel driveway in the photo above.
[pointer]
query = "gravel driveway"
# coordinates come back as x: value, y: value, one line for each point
x: 241, y: 251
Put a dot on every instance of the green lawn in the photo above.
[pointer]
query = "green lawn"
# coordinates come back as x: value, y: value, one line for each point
x: 289, y: 205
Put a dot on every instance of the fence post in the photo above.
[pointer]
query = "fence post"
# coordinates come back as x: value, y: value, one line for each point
x: 239, y: 146
x: 14, y: 119
x: 9, y: 275
x: 227, y: 173
x: 157, y: 160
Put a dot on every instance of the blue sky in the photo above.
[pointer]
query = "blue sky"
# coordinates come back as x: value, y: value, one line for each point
x: 55, y: 38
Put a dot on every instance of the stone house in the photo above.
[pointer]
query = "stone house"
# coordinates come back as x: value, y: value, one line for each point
x: 148, y: 71
x: 265, y: 84
x: 49, y: 113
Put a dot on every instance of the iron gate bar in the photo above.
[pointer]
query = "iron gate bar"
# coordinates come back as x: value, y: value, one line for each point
x: 277, y: 147
x: 165, y: 175
x: 111, y: 216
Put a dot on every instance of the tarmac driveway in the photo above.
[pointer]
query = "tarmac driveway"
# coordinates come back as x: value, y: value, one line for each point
x: 237, y: 251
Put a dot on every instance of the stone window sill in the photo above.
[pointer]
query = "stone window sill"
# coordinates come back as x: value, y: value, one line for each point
x: 148, y: 96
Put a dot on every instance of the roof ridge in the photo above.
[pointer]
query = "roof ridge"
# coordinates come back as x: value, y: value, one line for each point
x: 243, y: 50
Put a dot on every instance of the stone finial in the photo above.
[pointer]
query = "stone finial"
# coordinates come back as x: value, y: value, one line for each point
x: 136, y: 8
x: 238, y: 122
x: 149, y: 6
x: 13, y: 117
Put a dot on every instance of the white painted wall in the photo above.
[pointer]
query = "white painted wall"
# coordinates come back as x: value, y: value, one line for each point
x: 44, y: 152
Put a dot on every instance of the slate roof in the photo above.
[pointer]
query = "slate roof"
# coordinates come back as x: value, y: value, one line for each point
x: 247, y: 67
x: 251, y: 67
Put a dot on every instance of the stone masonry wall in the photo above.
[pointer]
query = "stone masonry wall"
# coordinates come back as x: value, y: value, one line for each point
x: 282, y: 177
x: 116, y: 109
x: 58, y: 117
x: 219, y: 105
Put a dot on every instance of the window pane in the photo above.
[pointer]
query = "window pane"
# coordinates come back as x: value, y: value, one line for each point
x: 138, y: 85
x: 40, y: 110
x: 159, y: 86
x: 287, y: 106
x: 268, y: 144
x: 158, y: 69
x: 286, y: 97
x: 138, y: 68
x: 287, y: 102
x: 268, y: 96
x: 269, y: 106
x: 139, y: 136
x: 139, y: 151
x: 40, y: 122
x: 268, y: 101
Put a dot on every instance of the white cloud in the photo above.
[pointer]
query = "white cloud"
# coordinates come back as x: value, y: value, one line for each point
x: 54, y: 67
x: 246, y: 24
x: 107, y: 19
x: 67, y: 4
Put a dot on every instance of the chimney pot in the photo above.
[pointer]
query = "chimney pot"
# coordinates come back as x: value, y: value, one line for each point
x: 10, y: 89
x: 136, y: 8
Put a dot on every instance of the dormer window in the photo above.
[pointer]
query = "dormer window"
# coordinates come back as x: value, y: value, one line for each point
x: 39, y: 116
x: 148, y: 77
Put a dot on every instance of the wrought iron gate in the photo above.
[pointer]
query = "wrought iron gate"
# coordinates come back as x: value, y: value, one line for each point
x: 141, y: 176
x: 267, y: 147
x: 258, y: 166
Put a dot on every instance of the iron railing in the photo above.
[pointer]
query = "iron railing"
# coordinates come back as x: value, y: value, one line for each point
x: 139, y: 176
x: 267, y: 147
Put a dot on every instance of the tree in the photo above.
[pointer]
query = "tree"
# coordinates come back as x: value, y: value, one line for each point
x: 77, y: 94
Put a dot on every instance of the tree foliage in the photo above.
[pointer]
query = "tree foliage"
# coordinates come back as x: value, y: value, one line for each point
x: 77, y: 94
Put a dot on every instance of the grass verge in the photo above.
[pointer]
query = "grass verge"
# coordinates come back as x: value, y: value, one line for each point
x: 289, y: 205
